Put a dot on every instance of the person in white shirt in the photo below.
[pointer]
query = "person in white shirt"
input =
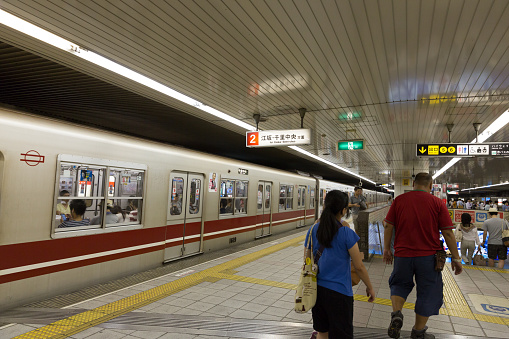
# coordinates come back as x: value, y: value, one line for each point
x: 470, y: 238
x: 481, y: 205
x: 468, y: 205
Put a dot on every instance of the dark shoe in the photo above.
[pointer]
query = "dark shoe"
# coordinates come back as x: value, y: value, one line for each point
x: 421, y: 334
x: 396, y: 324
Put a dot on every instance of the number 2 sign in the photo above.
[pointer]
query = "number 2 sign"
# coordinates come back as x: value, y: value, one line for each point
x: 252, y: 139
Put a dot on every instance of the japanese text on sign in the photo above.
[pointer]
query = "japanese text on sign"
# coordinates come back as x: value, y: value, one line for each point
x: 278, y: 138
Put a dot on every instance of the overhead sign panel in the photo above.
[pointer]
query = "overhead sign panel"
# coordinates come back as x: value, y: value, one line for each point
x: 290, y: 137
x: 463, y: 150
x: 350, y: 145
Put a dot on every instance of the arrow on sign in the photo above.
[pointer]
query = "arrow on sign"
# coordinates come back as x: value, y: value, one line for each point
x: 422, y: 150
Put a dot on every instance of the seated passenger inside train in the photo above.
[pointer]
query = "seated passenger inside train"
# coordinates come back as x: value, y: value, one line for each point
x: 133, y: 215
x: 77, y: 208
x: 121, y: 215
x: 239, y: 205
x: 110, y: 217
x: 63, y: 207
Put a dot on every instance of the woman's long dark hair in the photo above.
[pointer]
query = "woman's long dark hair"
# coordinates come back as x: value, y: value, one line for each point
x: 335, y: 202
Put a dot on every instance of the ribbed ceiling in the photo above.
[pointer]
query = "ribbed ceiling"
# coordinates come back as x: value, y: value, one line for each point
x: 387, y: 60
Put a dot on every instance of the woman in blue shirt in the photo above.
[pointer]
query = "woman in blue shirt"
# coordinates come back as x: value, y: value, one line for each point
x: 333, y: 311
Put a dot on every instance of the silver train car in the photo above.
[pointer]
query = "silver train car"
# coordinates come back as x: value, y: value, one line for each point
x: 144, y: 203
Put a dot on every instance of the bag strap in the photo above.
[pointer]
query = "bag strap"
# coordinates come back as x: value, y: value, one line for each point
x: 309, y: 245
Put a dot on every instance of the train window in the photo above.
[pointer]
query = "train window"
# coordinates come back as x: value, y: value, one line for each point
x: 312, y: 198
x: 289, y: 198
x: 299, y: 197
x: 96, y: 195
x: 267, y: 196
x: 125, y: 191
x: 226, y: 197
x: 1, y: 174
x: 260, y: 197
x: 195, y: 193
x: 282, y: 196
x: 177, y: 189
x: 241, y: 189
x: 285, y: 197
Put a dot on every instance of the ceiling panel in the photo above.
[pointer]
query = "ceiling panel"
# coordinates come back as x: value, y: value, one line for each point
x: 409, y: 67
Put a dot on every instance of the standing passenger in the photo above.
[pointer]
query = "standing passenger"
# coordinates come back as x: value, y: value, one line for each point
x: 418, y: 218
x: 356, y: 201
x: 494, y: 226
x: 470, y: 238
x: 333, y: 311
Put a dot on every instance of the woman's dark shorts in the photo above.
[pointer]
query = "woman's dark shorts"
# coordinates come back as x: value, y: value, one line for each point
x: 333, y: 313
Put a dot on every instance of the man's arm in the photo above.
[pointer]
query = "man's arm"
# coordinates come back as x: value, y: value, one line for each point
x: 450, y: 240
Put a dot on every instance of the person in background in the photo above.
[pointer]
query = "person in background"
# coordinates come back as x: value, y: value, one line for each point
x: 460, y: 204
x: 505, y: 207
x: 418, y: 218
x: 356, y: 201
x: 389, y: 201
x: 110, y: 217
x: 121, y: 215
x: 470, y: 238
x: 78, y: 208
x: 487, y: 206
x: 133, y: 214
x: 481, y: 205
x: 63, y: 208
x: 494, y: 227
x: 333, y: 311
x: 454, y: 204
x: 468, y: 205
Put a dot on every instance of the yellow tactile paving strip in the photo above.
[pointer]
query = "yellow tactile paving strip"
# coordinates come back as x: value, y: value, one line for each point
x: 454, y: 301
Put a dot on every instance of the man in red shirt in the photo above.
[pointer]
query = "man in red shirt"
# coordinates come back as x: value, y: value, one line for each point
x: 418, y: 218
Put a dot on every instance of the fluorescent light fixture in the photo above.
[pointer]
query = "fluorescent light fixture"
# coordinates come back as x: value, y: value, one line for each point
x: 476, y: 188
x: 499, y: 123
x: 311, y: 155
x: 27, y: 28
x: 68, y: 46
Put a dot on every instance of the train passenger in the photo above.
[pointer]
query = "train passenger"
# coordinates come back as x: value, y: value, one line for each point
x: 63, y: 207
x: 110, y: 217
x: 239, y: 205
x: 418, y: 218
x: 494, y: 227
x: 505, y: 207
x: 357, y: 202
x: 470, y: 238
x: 176, y: 205
x: 133, y: 214
x: 121, y: 215
x: 460, y: 203
x: 77, y: 208
x: 131, y: 206
x: 228, y: 208
x: 333, y: 311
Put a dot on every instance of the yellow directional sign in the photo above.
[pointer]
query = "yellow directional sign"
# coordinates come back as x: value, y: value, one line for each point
x: 432, y: 149
x: 451, y: 149
x: 443, y: 149
x: 422, y: 150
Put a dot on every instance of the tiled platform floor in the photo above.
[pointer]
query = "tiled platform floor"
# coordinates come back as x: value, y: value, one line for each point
x: 250, y: 290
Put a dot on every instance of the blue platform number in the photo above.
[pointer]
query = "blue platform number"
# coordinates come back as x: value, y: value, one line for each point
x: 481, y: 217
x: 496, y: 309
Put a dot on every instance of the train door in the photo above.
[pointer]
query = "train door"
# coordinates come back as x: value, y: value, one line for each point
x: 301, y: 204
x: 264, y: 211
x: 184, y: 216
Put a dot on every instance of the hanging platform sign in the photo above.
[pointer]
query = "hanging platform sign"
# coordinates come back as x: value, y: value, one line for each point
x: 274, y: 138
x: 463, y: 150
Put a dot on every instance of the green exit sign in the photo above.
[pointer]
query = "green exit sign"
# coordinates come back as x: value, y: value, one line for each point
x: 350, y: 115
x: 350, y: 145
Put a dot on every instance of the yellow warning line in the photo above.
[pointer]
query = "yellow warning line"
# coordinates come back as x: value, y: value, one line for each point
x: 455, y: 303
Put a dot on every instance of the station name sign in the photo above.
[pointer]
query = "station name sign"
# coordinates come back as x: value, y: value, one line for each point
x: 463, y: 150
x: 273, y: 138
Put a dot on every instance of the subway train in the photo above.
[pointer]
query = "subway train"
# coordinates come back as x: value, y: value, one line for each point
x: 136, y: 204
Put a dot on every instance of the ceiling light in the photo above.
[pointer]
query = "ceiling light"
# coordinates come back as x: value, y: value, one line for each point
x: 27, y: 28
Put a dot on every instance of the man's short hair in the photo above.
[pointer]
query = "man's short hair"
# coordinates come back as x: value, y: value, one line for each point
x: 356, y: 188
x: 78, y: 206
x: 423, y: 179
x: 62, y: 192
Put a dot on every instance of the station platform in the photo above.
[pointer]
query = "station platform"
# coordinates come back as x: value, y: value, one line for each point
x: 247, y: 291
